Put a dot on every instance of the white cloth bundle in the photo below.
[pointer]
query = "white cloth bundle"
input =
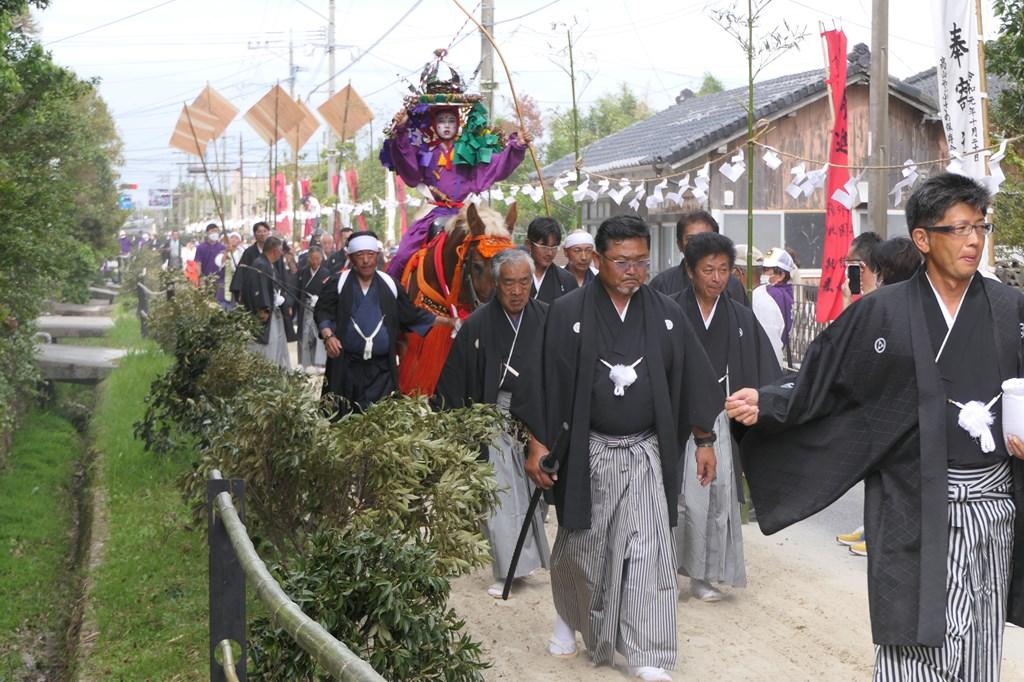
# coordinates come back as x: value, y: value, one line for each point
x: 622, y: 376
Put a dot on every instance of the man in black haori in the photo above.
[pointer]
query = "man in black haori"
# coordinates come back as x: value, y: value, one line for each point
x: 620, y: 382
x: 543, y: 235
x: 264, y: 295
x: 360, y: 314
x: 903, y: 392
x: 675, y: 279
x: 709, y: 538
x: 237, y: 285
x: 490, y: 353
x: 311, y: 278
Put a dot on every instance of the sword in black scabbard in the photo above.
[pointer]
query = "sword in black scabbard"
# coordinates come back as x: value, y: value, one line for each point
x: 549, y: 465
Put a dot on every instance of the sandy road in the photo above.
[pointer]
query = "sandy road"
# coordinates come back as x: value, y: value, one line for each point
x: 803, y: 616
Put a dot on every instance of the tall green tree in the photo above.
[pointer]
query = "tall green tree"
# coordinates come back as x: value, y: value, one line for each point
x: 58, y: 203
x: 610, y: 113
x: 710, y: 85
x: 1005, y: 58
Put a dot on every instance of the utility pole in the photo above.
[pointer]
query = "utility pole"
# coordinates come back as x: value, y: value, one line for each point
x: 487, y: 84
x: 878, y: 133
x: 331, y: 158
x: 241, y: 181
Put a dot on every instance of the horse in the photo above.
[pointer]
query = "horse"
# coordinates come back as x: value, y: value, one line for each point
x: 450, y: 276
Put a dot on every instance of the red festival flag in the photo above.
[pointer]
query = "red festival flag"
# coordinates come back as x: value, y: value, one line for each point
x: 838, y: 222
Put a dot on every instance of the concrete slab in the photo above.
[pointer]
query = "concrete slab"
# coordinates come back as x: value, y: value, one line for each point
x: 100, y: 292
x: 77, y: 364
x: 102, y: 309
x: 73, y: 327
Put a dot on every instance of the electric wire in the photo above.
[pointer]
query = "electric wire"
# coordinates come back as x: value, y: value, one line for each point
x: 110, y: 23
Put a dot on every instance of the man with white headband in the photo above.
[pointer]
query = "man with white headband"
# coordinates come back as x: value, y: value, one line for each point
x: 579, y: 252
x: 361, y: 313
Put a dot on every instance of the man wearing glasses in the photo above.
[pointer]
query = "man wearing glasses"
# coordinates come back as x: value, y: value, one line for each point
x: 543, y: 236
x: 903, y: 392
x: 621, y: 382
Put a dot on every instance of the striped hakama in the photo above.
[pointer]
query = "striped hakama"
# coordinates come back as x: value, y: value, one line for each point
x: 311, y: 346
x: 506, y: 455
x: 981, y: 513
x: 615, y: 582
x: 275, y: 350
x: 708, y: 537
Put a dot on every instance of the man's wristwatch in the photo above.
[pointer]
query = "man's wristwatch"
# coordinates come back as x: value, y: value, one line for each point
x: 705, y: 441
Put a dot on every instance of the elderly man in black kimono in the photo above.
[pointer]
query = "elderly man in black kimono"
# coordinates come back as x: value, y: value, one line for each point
x: 493, y: 348
x: 361, y: 313
x: 620, y: 381
x: 709, y: 539
x: 675, y: 279
x: 311, y: 280
x: 903, y: 392
x: 264, y: 295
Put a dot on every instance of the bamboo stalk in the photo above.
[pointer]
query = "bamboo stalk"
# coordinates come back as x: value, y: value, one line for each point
x: 336, y: 658
x: 195, y: 139
x: 515, y: 101
x: 228, y: 660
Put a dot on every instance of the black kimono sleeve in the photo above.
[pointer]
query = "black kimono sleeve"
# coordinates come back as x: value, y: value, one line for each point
x: 324, y: 314
x: 260, y: 287
x: 456, y: 385
x: 412, y: 318
x: 702, y: 397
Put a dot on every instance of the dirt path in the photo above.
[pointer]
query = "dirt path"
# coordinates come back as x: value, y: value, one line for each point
x: 803, y: 616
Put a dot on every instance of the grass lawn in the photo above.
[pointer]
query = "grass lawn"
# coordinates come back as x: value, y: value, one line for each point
x: 148, y: 603
x: 35, y: 517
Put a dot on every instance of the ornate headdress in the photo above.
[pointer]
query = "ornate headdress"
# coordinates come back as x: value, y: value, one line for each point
x: 477, y: 142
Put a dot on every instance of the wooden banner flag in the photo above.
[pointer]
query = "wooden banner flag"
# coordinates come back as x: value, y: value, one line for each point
x: 274, y: 114
x: 212, y: 102
x: 298, y: 136
x: 197, y: 121
x: 346, y: 112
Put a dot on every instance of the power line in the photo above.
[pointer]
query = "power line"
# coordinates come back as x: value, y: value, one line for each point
x: 375, y: 44
x: 314, y: 11
x: 523, y: 16
x: 109, y: 23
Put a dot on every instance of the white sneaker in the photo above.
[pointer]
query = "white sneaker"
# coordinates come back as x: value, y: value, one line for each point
x: 704, y: 591
x: 651, y: 674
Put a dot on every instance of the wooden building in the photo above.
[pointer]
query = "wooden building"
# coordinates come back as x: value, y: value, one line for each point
x: 700, y: 129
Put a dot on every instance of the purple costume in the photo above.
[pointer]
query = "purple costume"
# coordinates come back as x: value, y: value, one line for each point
x: 450, y: 185
x: 783, y: 296
x: 206, y: 256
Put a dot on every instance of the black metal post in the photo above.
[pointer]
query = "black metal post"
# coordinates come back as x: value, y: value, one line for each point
x: 142, y: 309
x: 227, y: 579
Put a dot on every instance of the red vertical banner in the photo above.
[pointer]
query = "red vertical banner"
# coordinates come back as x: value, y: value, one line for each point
x: 838, y: 221
x: 284, y: 224
x: 352, y: 180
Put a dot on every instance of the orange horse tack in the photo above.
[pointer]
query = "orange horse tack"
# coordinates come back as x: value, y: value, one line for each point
x: 424, y: 357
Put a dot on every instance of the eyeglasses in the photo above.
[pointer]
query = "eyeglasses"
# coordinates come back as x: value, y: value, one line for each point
x: 580, y: 250
x: 627, y: 265
x: 545, y: 248
x: 962, y: 230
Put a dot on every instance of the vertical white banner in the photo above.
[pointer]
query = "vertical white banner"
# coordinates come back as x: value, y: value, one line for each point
x: 390, y: 206
x: 956, y: 44
x: 344, y: 200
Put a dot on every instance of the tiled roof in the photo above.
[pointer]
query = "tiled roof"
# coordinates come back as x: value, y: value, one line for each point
x: 696, y: 123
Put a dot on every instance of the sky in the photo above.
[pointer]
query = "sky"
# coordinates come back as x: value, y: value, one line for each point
x: 148, y: 65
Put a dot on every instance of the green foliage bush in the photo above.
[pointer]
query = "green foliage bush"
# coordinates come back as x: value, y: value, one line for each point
x: 58, y: 200
x: 383, y: 598
x: 399, y: 486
